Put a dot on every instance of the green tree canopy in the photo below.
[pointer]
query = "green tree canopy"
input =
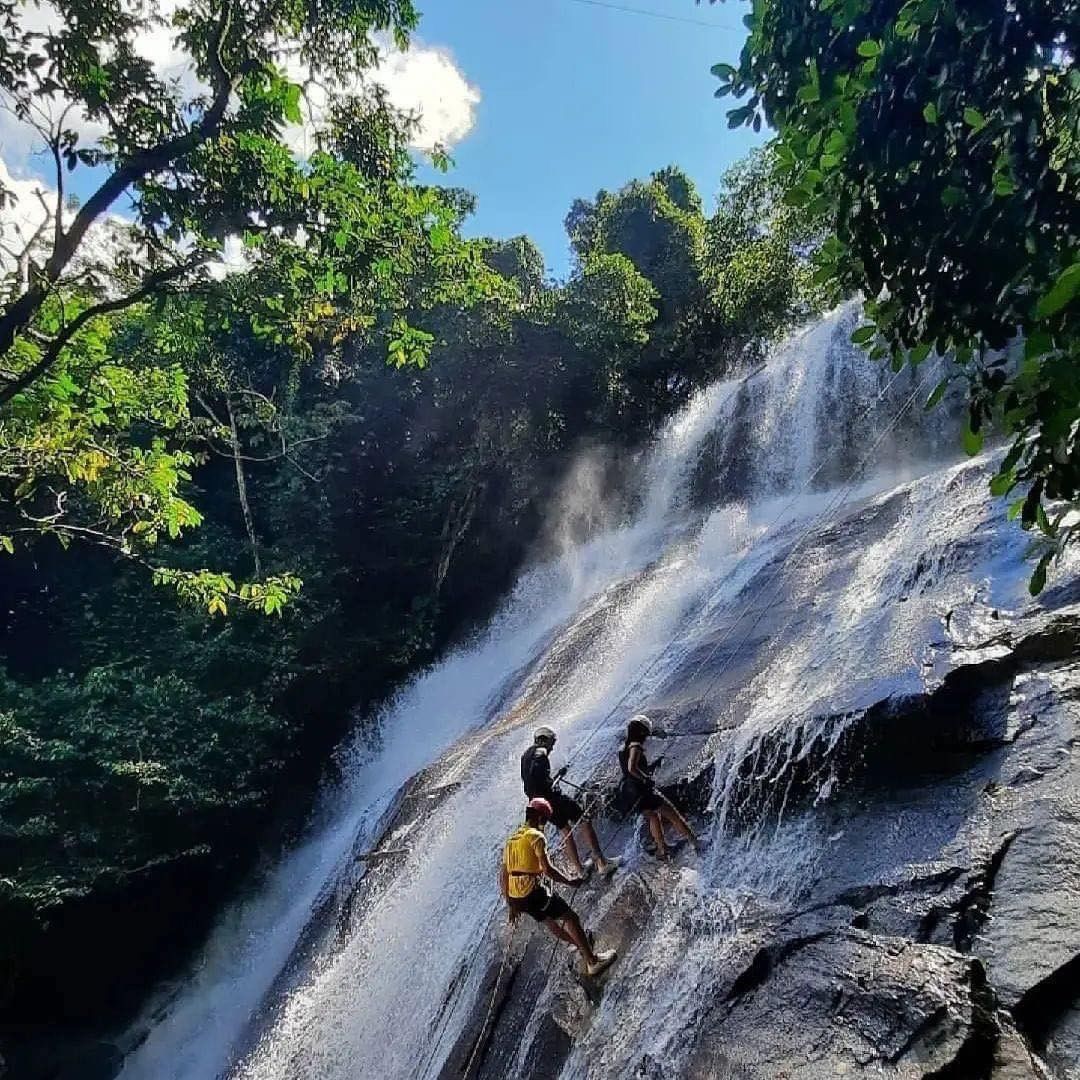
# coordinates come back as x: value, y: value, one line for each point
x: 657, y: 224
x: 98, y: 433
x: 939, y: 142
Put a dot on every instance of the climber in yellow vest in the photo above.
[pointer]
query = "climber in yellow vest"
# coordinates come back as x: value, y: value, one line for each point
x: 525, y: 864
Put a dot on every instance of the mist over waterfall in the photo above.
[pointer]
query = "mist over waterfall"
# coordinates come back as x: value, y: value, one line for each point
x: 806, y: 544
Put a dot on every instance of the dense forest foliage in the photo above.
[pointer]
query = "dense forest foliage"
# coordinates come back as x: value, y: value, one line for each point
x: 238, y: 506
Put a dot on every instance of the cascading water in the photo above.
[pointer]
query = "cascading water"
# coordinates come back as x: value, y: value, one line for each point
x: 764, y: 585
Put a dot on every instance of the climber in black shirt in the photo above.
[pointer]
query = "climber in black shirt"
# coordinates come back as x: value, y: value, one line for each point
x: 566, y: 814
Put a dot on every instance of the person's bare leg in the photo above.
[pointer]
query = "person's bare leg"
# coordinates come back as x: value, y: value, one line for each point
x: 657, y: 829
x: 677, y: 822
x: 558, y: 931
x: 594, y: 844
x: 572, y: 856
x: 574, y: 932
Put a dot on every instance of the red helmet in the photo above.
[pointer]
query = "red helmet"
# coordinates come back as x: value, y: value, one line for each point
x: 541, y: 806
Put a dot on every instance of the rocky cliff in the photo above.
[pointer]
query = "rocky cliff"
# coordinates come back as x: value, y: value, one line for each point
x: 940, y: 937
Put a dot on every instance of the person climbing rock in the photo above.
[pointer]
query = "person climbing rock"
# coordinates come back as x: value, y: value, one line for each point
x: 525, y: 864
x: 538, y: 782
x: 639, y: 792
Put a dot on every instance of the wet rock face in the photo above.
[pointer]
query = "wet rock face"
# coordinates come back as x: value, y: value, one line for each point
x: 940, y: 936
x: 836, y: 1003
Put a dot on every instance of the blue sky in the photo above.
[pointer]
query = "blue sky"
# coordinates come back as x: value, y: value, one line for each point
x: 576, y: 97
x: 542, y: 100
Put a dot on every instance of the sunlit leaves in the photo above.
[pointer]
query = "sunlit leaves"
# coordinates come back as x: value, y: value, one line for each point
x: 974, y: 119
x: 214, y: 591
x: 1061, y: 293
x: 972, y: 440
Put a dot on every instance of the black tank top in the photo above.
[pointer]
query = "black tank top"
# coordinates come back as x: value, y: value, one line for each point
x: 624, y: 763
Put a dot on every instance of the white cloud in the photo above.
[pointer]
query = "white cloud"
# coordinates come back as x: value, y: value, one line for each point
x: 19, y: 140
x: 234, y: 259
x: 21, y: 214
x: 423, y: 80
x: 426, y: 80
x: 31, y: 204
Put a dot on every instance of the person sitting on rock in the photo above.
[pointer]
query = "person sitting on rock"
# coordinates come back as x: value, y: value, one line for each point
x: 525, y: 864
x: 567, y: 814
x: 640, y: 793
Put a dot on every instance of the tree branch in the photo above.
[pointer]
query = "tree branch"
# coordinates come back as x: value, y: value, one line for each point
x: 57, y: 344
x: 241, y: 489
x: 54, y: 146
x: 20, y: 313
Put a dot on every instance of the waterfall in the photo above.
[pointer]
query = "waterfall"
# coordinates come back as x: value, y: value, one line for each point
x: 792, y: 554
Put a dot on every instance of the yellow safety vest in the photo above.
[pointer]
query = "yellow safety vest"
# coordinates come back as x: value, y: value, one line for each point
x: 522, y: 860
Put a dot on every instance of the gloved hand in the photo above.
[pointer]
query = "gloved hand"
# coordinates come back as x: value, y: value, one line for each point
x: 561, y: 773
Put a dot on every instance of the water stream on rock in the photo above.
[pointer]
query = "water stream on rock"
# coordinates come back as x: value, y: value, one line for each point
x: 791, y: 561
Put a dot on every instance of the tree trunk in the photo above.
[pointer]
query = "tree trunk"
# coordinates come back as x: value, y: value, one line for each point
x: 241, y: 489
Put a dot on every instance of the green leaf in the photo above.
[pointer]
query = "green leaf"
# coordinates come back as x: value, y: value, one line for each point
x: 1015, y: 508
x: 930, y: 113
x: 291, y: 107
x: 1002, y: 483
x: 1038, y: 578
x: 974, y: 119
x: 7, y: 544
x: 972, y: 440
x: 952, y: 196
x: 723, y: 71
x: 937, y: 394
x: 1038, y: 343
x: 918, y: 354
x: 1044, y: 522
x: 864, y: 334
x: 869, y: 48
x: 1060, y: 294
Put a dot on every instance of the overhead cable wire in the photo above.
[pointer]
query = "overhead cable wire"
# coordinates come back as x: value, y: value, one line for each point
x: 626, y: 9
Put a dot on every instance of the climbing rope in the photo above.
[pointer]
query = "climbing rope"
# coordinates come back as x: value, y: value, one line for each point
x: 491, y: 1004
x: 795, y: 496
x: 835, y: 502
x: 598, y: 798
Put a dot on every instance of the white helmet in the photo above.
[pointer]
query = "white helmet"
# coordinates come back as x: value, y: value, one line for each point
x: 641, y: 718
x: 544, y: 734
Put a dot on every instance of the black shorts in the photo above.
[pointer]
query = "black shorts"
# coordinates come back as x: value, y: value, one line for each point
x: 651, y: 800
x: 637, y: 798
x: 541, y: 905
x: 564, y: 811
